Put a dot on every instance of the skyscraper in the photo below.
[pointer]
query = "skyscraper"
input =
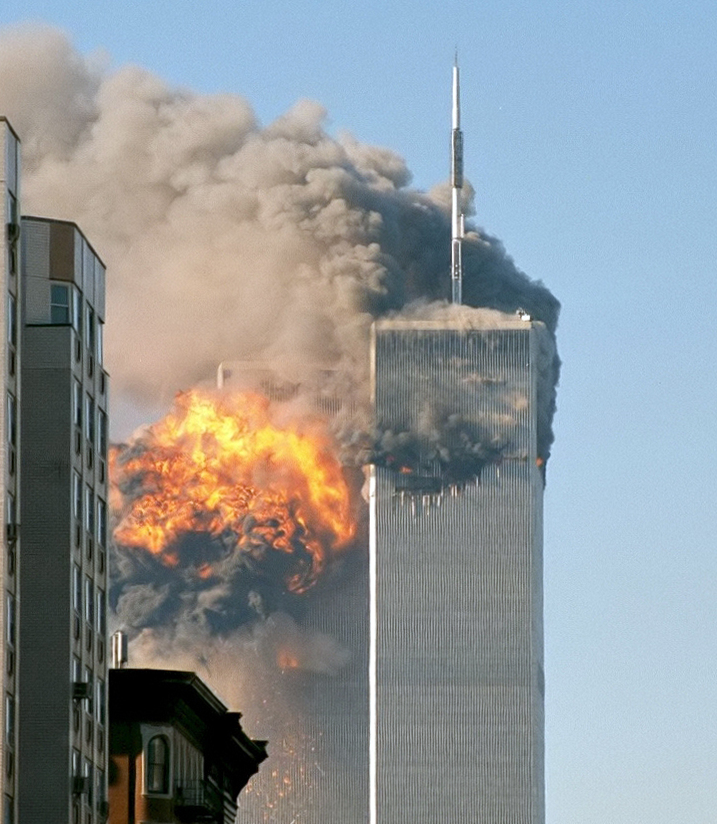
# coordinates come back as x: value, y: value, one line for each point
x: 9, y: 457
x: 456, y: 661
x: 63, y: 651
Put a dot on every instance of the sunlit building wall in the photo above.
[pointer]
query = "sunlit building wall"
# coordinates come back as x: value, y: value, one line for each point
x: 456, y: 662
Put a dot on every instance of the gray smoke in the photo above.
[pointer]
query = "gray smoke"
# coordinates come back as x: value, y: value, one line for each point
x: 225, y: 239
x: 230, y: 240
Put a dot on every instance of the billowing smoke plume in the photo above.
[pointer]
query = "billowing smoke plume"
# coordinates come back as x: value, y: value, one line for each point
x: 228, y: 240
x: 225, y: 239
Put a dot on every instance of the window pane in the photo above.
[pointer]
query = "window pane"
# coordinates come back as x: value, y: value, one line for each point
x: 10, y: 611
x: 11, y: 320
x: 87, y: 772
x: 77, y: 404
x: 101, y: 522
x: 10, y: 719
x: 89, y: 510
x: 11, y: 420
x: 77, y: 483
x: 77, y: 589
x: 101, y: 625
x: 10, y: 515
x: 102, y: 434
x: 59, y: 304
x: 89, y: 680
x: 77, y: 311
x: 89, y: 327
x: 100, y: 701
x: 90, y: 418
x: 89, y: 600
x: 100, y: 341
x: 157, y: 765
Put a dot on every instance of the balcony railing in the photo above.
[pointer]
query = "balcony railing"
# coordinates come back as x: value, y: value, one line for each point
x: 197, y: 801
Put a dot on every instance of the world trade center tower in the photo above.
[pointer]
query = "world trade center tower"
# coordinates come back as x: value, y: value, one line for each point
x: 456, y: 650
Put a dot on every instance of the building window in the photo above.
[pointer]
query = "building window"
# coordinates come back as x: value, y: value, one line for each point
x: 89, y: 328
x: 89, y: 600
x: 59, y: 303
x: 10, y: 518
x: 158, y: 765
x: 9, y: 810
x: 100, y: 342
x: 77, y: 404
x: 10, y: 617
x: 77, y: 589
x: 100, y: 790
x: 11, y: 420
x: 101, y: 522
x: 10, y: 719
x: 89, y: 511
x: 87, y: 773
x: 102, y: 433
x: 101, y: 620
x: 77, y: 311
x: 100, y: 704
x: 89, y: 679
x: 13, y: 230
x: 90, y: 419
x: 11, y: 320
x: 77, y: 494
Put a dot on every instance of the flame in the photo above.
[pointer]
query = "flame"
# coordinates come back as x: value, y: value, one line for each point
x: 218, y: 465
x: 287, y: 660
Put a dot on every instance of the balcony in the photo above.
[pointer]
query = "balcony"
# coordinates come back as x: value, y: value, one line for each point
x: 197, y: 801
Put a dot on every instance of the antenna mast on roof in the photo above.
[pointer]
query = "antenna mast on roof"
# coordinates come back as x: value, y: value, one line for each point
x: 457, y: 225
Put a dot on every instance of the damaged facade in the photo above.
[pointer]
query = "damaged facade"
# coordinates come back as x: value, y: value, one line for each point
x: 456, y: 662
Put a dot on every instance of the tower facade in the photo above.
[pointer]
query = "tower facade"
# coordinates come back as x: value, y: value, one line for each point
x: 63, y: 645
x: 9, y: 461
x: 456, y: 658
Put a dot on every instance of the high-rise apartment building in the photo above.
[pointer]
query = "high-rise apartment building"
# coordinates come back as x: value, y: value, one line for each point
x: 63, y: 647
x: 9, y: 460
x: 456, y: 663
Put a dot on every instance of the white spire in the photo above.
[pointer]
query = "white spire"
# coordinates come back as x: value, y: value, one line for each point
x: 456, y: 187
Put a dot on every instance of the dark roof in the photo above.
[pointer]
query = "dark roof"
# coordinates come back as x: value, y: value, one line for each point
x: 182, y: 699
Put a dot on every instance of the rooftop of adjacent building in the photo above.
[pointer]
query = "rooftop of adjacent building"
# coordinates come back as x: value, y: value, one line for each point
x: 174, y: 696
x: 4, y: 120
x: 70, y: 224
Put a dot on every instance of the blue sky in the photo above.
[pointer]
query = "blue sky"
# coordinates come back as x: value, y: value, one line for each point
x: 589, y: 131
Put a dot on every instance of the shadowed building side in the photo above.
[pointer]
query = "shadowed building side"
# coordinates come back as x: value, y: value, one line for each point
x: 63, y: 649
x: 457, y: 731
x: 176, y: 753
x: 10, y: 407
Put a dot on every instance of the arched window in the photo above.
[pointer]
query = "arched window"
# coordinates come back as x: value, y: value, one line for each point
x: 158, y: 765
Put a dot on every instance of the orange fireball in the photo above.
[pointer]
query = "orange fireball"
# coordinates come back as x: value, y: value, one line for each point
x: 219, y: 465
